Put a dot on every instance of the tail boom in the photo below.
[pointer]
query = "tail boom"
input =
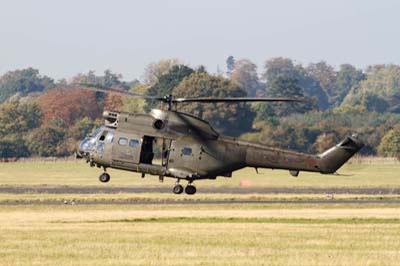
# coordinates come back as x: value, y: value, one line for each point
x: 328, y: 162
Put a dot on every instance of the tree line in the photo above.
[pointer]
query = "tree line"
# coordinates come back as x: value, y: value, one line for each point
x: 43, y: 117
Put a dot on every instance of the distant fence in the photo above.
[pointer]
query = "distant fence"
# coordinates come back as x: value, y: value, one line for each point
x: 354, y: 160
x: 39, y: 159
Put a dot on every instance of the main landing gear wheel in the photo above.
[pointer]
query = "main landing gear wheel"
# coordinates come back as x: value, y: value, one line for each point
x: 190, y: 190
x: 178, y: 189
x: 104, y: 177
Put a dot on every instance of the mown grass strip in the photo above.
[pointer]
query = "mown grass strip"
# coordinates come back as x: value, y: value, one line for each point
x: 246, y: 220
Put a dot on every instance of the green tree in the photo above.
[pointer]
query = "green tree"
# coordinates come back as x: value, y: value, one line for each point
x: 13, y: 146
x: 326, y: 76
x: 16, y: 118
x: 374, y: 103
x: 155, y: 70
x: 325, y: 141
x: 279, y: 67
x: 82, y: 128
x: 265, y: 113
x: 230, y: 65
x: 288, y: 87
x: 382, y: 81
x: 134, y: 104
x: 167, y: 82
x: 245, y: 74
x: 23, y: 81
x: 284, y: 68
x: 348, y: 78
x: 233, y: 119
x: 390, y: 144
x: 44, y: 141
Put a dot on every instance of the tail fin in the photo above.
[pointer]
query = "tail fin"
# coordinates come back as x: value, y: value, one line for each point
x: 332, y: 159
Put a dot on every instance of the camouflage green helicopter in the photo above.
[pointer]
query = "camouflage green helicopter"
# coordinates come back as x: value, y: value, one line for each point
x: 169, y: 143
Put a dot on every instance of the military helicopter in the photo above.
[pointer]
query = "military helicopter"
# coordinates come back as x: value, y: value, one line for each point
x: 189, y: 148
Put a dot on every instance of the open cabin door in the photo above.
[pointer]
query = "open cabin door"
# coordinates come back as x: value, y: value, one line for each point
x: 155, y: 151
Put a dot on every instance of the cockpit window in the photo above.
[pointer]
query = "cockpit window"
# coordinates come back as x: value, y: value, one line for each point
x: 123, y: 141
x: 187, y: 151
x: 133, y: 143
x: 96, y: 132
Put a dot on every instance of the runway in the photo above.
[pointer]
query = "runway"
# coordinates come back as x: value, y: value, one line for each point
x: 43, y: 189
x: 40, y: 189
x: 202, y: 202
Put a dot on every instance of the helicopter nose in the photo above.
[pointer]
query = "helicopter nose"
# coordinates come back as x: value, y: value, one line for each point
x: 78, y: 154
x: 84, y: 148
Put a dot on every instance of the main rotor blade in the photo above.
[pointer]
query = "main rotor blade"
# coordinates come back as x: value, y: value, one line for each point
x: 99, y: 88
x: 237, y: 99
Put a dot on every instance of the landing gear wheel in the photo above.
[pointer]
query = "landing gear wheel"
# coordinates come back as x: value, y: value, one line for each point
x: 104, y: 177
x: 178, y: 189
x: 190, y: 190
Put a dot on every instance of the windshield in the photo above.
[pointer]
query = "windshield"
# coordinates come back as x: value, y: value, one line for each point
x: 96, y: 132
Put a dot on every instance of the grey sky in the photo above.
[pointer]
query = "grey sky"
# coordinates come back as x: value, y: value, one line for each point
x: 63, y: 38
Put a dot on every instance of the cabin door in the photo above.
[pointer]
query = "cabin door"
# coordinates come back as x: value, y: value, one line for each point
x: 126, y: 147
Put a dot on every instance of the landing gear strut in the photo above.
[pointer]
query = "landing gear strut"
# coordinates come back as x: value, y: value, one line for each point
x: 104, y: 177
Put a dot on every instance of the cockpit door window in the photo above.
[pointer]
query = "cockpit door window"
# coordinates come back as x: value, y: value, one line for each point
x: 109, y: 137
x: 123, y: 141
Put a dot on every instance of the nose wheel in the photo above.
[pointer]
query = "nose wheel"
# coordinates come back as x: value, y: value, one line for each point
x: 178, y: 189
x: 104, y: 177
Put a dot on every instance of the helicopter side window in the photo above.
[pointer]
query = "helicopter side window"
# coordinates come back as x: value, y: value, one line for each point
x: 133, y: 143
x: 187, y: 151
x: 123, y: 141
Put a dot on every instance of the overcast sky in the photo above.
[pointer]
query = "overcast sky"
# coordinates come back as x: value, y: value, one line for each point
x: 63, y: 38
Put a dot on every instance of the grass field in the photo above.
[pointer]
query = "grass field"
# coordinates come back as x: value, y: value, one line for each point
x: 199, y: 235
x: 365, y: 174
x: 202, y: 234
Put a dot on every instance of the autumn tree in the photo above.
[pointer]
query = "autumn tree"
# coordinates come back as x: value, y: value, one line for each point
x: 114, y: 101
x: 233, y: 118
x: 68, y: 105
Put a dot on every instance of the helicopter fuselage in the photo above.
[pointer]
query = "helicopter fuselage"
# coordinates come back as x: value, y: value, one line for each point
x: 179, y: 145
